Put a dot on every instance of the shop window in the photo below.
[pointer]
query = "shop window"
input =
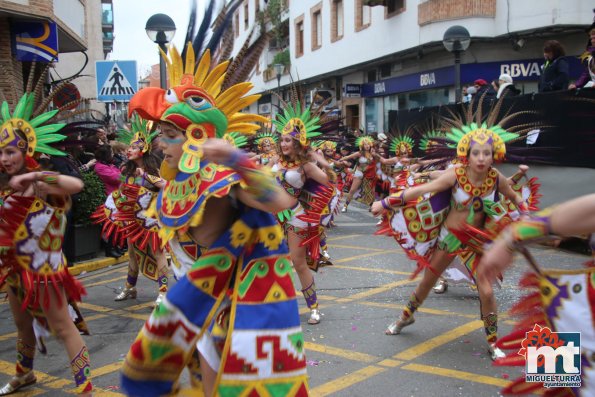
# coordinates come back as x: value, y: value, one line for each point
x: 393, y: 7
x: 337, y: 20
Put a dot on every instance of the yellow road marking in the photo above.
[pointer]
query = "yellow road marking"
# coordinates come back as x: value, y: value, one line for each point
x: 355, y: 247
x: 8, y: 336
x: 451, y: 373
x: 111, y: 280
x: 383, y: 288
x: 115, y: 312
x: 343, y: 237
x: 367, y: 269
x: 85, y: 278
x: 346, y: 381
x: 390, y: 363
x: 421, y: 309
x: 448, y: 336
x: 351, y: 258
x: 335, y: 351
x: 106, y: 369
x: 140, y: 306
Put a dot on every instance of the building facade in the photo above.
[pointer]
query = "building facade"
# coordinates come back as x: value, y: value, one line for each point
x: 68, y: 27
x: 373, y: 56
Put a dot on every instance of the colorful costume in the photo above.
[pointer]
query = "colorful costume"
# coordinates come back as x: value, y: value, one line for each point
x: 559, y: 301
x: 365, y: 170
x: 32, y: 236
x: 124, y: 215
x: 266, y: 139
x: 419, y: 227
x: 237, y: 299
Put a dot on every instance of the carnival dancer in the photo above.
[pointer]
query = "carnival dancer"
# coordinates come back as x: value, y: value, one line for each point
x: 308, y: 185
x: 41, y: 292
x: 266, y: 142
x: 474, y: 193
x: 124, y: 213
x: 559, y: 300
x: 214, y: 212
x: 364, y: 175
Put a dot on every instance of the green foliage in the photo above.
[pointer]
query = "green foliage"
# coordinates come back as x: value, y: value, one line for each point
x: 87, y: 201
x: 282, y: 57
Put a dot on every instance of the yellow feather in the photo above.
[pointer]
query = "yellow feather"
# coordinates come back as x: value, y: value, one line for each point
x: 238, y: 105
x: 236, y: 91
x: 214, y: 75
x: 245, y: 128
x: 245, y: 117
x: 203, y: 68
x: 177, y: 65
x: 216, y: 88
x: 189, y: 69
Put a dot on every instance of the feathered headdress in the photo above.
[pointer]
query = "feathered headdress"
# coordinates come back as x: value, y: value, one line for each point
x: 298, y: 122
x: 359, y: 142
x: 38, y: 137
x: 264, y: 137
x: 139, y: 135
x: 473, y: 127
x: 325, y: 145
x: 402, y: 145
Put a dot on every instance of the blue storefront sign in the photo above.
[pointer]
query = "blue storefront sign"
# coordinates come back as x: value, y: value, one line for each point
x: 519, y: 70
x: 35, y: 41
x: 352, y: 90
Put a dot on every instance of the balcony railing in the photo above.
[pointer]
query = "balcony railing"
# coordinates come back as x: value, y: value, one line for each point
x: 442, y: 10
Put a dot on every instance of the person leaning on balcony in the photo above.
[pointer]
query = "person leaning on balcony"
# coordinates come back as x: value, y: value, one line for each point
x: 554, y: 74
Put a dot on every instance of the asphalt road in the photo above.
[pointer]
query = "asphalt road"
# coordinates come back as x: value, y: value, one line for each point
x: 442, y: 354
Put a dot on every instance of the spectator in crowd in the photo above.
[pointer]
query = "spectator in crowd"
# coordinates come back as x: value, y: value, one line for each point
x: 119, y: 149
x: 468, y: 93
x: 506, y: 86
x: 495, y: 85
x: 110, y: 175
x: 587, y: 77
x: 102, y: 137
x: 483, y: 88
x: 554, y: 74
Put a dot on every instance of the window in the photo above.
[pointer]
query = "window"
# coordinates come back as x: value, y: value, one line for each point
x: 316, y: 21
x: 299, y: 36
x: 393, y: 7
x: 384, y: 70
x: 362, y: 15
x: 246, y: 15
x: 337, y: 20
x: 236, y: 24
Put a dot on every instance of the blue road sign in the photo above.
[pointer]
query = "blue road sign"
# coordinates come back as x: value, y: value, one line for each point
x: 35, y: 41
x: 116, y: 80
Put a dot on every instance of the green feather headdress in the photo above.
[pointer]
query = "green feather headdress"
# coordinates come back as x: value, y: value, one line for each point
x: 262, y: 137
x: 39, y: 137
x: 297, y: 122
x: 402, y: 145
x: 140, y: 134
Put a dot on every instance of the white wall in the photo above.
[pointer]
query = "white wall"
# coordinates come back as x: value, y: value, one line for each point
x: 72, y: 13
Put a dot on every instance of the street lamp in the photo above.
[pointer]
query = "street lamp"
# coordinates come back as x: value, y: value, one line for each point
x: 161, y: 29
x: 279, y: 71
x: 456, y: 40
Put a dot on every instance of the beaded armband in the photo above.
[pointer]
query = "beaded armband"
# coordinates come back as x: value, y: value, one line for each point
x: 528, y: 230
x: 394, y: 200
x: 260, y: 184
x: 49, y: 177
x: 152, y: 178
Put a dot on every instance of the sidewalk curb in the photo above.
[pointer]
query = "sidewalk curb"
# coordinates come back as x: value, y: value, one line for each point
x: 96, y: 264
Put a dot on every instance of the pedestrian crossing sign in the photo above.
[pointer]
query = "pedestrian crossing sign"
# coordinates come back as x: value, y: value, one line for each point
x: 116, y: 80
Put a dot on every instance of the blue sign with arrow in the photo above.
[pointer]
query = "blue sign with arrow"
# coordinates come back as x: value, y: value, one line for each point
x: 116, y: 80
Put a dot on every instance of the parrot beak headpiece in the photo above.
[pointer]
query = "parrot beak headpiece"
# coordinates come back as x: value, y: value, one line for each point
x: 196, y: 104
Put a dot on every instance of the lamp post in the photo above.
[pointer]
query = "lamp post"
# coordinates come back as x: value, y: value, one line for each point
x: 161, y: 29
x: 279, y: 72
x: 456, y: 40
